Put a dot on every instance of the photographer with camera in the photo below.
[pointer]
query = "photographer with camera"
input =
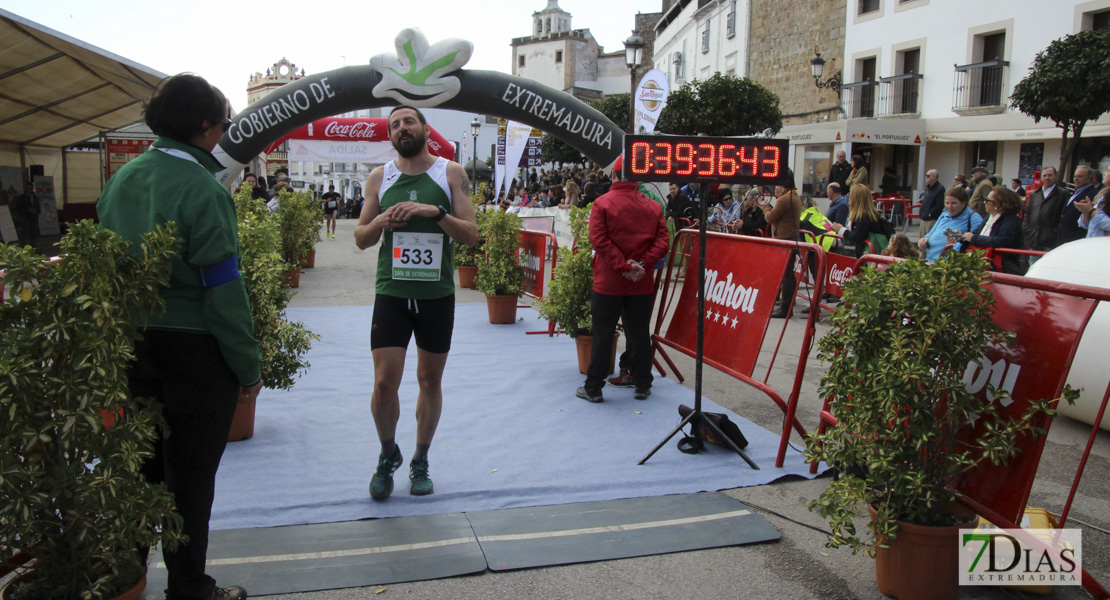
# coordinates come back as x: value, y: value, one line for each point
x: 956, y: 220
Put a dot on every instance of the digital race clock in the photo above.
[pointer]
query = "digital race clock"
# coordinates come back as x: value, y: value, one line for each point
x: 753, y: 161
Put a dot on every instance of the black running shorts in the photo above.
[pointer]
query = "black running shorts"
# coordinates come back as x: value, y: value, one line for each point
x: 397, y: 319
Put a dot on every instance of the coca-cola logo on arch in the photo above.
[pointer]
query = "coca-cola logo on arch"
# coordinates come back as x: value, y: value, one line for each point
x: 359, y: 129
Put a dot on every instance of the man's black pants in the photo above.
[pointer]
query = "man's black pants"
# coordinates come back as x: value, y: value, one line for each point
x: 635, y: 313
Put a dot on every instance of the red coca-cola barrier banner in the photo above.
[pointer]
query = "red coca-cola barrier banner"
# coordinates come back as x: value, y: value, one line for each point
x: 741, y: 282
x: 347, y: 129
x: 532, y: 250
x: 841, y: 268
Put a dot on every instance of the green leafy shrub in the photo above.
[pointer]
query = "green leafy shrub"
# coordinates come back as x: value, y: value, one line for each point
x: 467, y: 256
x: 299, y: 219
x: 897, y: 353
x: 499, y: 270
x: 568, y: 301
x: 282, y: 344
x: 73, y: 495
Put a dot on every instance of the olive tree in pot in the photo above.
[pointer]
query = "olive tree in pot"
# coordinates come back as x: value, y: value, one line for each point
x: 897, y: 353
x: 500, y: 276
x: 74, y: 499
x: 282, y: 344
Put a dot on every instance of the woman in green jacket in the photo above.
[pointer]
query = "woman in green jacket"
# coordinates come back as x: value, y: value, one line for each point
x: 200, y: 357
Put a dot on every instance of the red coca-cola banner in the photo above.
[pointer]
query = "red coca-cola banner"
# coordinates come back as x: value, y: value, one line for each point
x: 742, y: 277
x: 346, y: 129
x: 1048, y: 326
x: 533, y: 252
x: 840, y: 269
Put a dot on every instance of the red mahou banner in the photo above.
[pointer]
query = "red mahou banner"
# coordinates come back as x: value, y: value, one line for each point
x: 742, y: 278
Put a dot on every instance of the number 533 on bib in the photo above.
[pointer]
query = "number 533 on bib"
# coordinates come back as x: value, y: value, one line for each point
x: 417, y: 256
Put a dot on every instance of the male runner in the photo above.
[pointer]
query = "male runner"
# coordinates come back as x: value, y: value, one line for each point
x: 331, y: 205
x: 415, y: 205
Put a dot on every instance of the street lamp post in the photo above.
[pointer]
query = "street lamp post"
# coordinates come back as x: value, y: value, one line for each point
x: 633, y: 54
x: 475, y: 128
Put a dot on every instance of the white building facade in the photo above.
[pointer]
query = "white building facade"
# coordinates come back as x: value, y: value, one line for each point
x: 697, y: 38
x: 927, y: 85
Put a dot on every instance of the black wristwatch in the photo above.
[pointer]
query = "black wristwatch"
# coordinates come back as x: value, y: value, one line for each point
x: 442, y: 213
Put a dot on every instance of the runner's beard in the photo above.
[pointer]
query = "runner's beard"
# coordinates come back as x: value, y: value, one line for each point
x: 409, y: 147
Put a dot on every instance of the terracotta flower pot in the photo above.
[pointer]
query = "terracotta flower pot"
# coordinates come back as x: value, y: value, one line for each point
x: 242, y: 425
x: 468, y: 277
x: 923, y: 563
x: 135, y: 593
x: 308, y: 261
x: 502, y: 308
x: 584, y: 345
x: 293, y: 278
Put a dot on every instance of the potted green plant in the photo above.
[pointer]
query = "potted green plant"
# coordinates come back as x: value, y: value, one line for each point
x: 282, y: 344
x: 299, y: 219
x: 568, y: 301
x: 897, y: 352
x: 466, y: 257
x: 75, y: 502
x: 500, y: 276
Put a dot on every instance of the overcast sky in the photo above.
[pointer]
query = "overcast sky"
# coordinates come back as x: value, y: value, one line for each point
x: 226, y: 41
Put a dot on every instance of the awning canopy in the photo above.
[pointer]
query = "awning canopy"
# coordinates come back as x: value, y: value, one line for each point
x: 57, y: 91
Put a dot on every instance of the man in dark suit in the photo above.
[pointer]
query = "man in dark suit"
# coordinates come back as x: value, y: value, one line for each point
x: 1041, y: 218
x: 840, y: 171
x: 1085, y: 184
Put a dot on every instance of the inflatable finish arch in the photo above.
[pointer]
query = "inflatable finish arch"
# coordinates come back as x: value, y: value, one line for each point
x: 423, y: 76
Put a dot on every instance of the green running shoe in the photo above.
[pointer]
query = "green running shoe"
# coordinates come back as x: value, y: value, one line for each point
x: 418, y: 476
x: 381, y: 485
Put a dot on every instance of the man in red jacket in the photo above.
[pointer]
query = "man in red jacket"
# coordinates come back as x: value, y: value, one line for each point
x: 629, y: 236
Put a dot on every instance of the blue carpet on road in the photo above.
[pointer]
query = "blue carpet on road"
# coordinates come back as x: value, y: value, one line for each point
x: 512, y: 433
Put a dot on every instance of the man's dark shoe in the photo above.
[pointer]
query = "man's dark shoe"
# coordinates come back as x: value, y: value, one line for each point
x: 418, y: 475
x: 588, y: 397
x: 381, y: 485
x: 623, y: 380
x: 229, y: 593
x: 642, y: 393
x: 781, y: 314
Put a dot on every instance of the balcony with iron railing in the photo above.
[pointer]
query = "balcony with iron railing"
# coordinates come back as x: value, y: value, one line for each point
x: 900, y: 96
x: 860, y: 99
x: 979, y: 89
